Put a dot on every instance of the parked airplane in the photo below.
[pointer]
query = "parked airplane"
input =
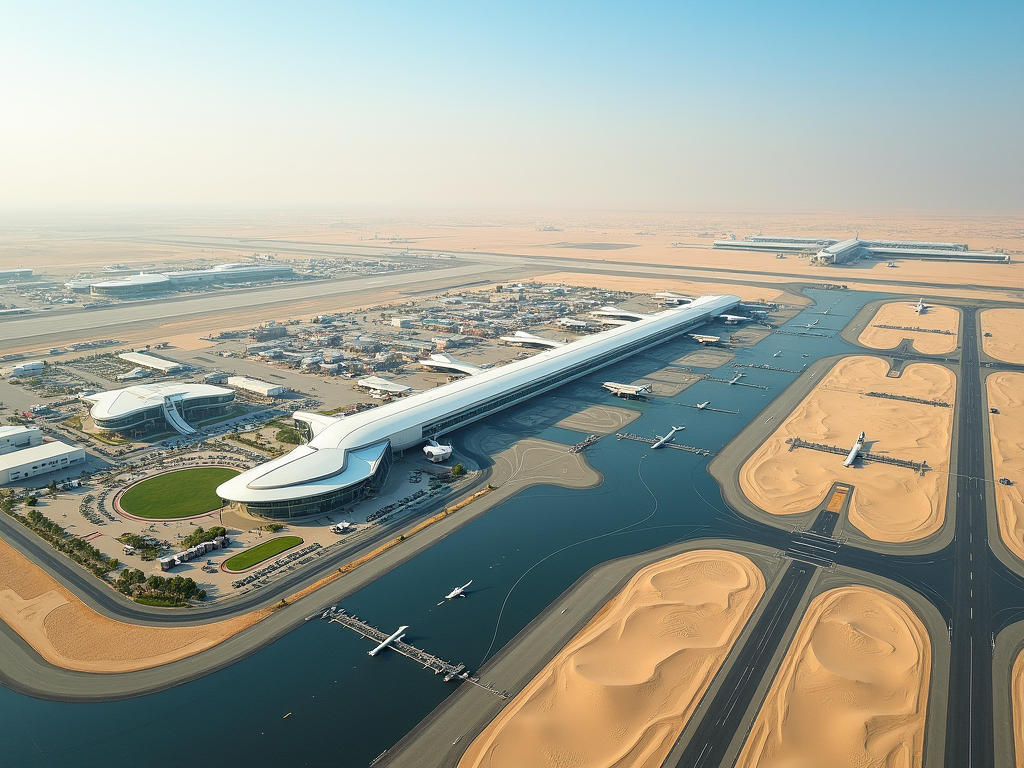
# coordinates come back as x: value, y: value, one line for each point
x: 627, y: 390
x: 778, y: 354
x: 920, y: 308
x: 458, y: 591
x: 736, y: 378
x: 666, y: 439
x: 436, y: 452
x: 855, y: 451
x: 702, y: 406
x: 733, y: 319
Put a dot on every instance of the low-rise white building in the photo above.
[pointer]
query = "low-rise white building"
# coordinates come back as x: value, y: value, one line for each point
x: 38, y: 460
x: 24, y: 369
x: 152, y: 362
x: 18, y: 437
x: 264, y: 388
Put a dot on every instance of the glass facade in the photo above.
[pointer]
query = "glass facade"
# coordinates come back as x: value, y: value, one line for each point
x: 151, y: 420
x: 326, y: 502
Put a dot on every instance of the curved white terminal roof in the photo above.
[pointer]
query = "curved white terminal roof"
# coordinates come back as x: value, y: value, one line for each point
x: 618, y: 314
x: 140, y: 279
x: 522, y: 337
x: 441, y: 362
x: 115, y: 403
x: 306, y: 471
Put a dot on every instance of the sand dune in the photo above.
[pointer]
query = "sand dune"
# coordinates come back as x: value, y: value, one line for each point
x: 1006, y: 429
x: 901, y: 313
x: 852, y: 690
x: 889, y: 503
x: 620, y: 693
x: 1006, y: 342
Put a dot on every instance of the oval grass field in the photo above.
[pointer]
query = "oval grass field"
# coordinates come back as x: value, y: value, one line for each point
x: 182, y: 493
x: 255, y: 555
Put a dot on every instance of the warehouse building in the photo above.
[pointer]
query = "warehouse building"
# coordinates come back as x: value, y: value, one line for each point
x: 256, y: 386
x: 152, y: 362
x: 18, y: 437
x: 348, y: 456
x: 39, y: 460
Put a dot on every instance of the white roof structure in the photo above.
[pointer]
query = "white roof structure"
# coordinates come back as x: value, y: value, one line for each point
x: 442, y: 362
x: 530, y: 340
x: 38, y: 460
x: 140, y: 280
x: 152, y: 362
x: 383, y: 385
x: 340, y: 453
x: 116, y: 403
x: 258, y: 386
x: 614, y: 313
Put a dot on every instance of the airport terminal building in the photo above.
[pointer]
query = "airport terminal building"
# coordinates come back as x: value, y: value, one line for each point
x: 147, y: 409
x: 346, y: 456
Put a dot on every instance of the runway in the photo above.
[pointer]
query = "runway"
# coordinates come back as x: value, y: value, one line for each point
x: 62, y: 327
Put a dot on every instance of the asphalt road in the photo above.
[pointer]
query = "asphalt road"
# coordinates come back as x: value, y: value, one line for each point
x: 969, y: 734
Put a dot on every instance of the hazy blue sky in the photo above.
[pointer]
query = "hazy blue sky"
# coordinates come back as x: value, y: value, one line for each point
x: 690, y: 106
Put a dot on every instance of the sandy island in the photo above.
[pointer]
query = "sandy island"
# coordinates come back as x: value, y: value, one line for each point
x: 902, y: 314
x: 622, y: 690
x: 852, y: 690
x: 889, y: 504
x: 1006, y: 431
x: 1006, y: 342
x: 69, y: 634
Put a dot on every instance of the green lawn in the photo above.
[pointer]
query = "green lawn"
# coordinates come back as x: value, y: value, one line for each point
x: 177, y: 494
x: 259, y: 553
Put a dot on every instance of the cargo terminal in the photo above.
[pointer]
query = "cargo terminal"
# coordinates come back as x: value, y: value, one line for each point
x: 347, y: 456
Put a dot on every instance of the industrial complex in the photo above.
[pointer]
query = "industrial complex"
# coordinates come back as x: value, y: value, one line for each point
x: 144, y: 283
x: 346, y: 456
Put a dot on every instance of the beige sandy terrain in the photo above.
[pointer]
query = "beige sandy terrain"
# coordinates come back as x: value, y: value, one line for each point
x: 599, y: 419
x: 889, y: 504
x: 621, y: 691
x: 852, y: 690
x: 67, y: 633
x: 1006, y: 342
x: 1017, y: 694
x: 1006, y: 432
x: 902, y: 314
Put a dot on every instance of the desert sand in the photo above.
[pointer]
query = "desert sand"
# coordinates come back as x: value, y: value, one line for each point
x: 1006, y: 342
x: 889, y: 504
x: 901, y: 313
x: 622, y: 690
x: 852, y: 690
x: 69, y: 634
x: 1006, y: 430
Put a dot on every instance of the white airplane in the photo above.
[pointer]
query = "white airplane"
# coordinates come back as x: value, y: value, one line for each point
x: 436, y: 452
x: 702, y: 406
x: 855, y: 451
x: 627, y: 390
x: 458, y: 591
x: 920, y: 308
x: 736, y: 378
x: 778, y: 354
x: 808, y: 326
x: 733, y: 319
x: 666, y: 439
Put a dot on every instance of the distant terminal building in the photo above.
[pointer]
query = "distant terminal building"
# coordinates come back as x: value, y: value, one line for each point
x: 38, y: 460
x: 18, y: 437
x: 348, y: 456
x: 13, y: 275
x: 30, y: 368
x: 256, y: 386
x: 146, y: 409
x: 152, y: 362
x: 447, y: 363
x: 146, y: 283
x: 524, y: 339
x: 831, y: 251
x: 229, y: 273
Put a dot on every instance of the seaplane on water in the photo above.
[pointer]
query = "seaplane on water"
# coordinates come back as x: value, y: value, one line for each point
x: 736, y: 378
x: 702, y: 406
x: 458, y: 591
x: 778, y: 354
x: 662, y: 441
x: 921, y: 308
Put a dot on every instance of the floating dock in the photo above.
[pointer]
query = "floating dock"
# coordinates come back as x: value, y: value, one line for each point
x: 652, y: 441
x: 393, y: 642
